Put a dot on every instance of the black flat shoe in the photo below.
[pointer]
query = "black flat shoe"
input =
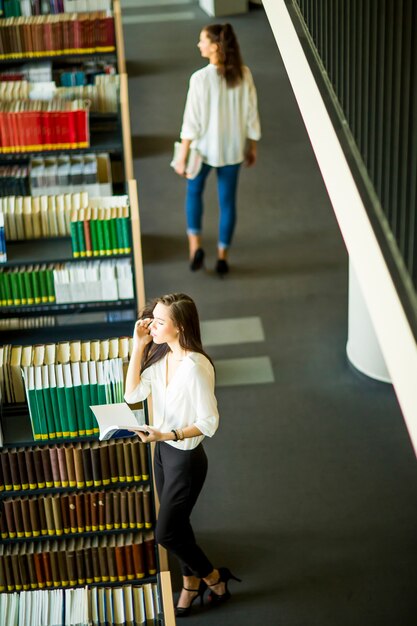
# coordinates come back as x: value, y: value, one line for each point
x: 224, y: 576
x: 198, y: 260
x: 184, y: 611
x: 222, y: 267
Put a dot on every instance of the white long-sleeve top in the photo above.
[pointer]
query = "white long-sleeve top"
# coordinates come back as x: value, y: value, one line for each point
x: 187, y: 400
x: 218, y: 119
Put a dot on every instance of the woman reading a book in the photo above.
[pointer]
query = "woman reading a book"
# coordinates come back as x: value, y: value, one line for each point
x: 221, y: 121
x: 168, y: 361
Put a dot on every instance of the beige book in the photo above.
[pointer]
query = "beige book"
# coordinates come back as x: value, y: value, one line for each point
x: 52, y: 217
x: 75, y: 351
x: 10, y: 218
x: 124, y: 347
x: 85, y: 351
x: 27, y: 217
x: 68, y: 208
x: 103, y: 168
x: 76, y: 201
x: 18, y: 390
x: 95, y: 350
x: 50, y: 354
x: 26, y: 360
x: 36, y: 217
x: 63, y: 229
x: 130, y: 346
x: 104, y: 349
x: 38, y: 354
x: 63, y: 352
x: 113, y: 348
x: 44, y: 216
x: 20, y: 230
x: 84, y: 199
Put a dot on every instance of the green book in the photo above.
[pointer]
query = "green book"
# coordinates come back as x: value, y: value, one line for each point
x: 113, y: 237
x: 100, y: 237
x: 75, y: 243
x: 107, y: 237
x: 120, y: 234
x: 54, y: 400
x: 126, y: 234
x: 70, y: 401
x: 94, y: 237
x: 103, y: 385
x: 50, y: 284
x: 8, y: 288
x: 47, y: 402
x: 28, y: 287
x: 60, y: 388
x: 78, y: 396
x: 29, y: 379
x: 92, y: 375
x: 81, y: 238
x: 36, y: 286
x: 43, y: 422
x: 43, y: 284
x: 12, y: 8
x: 86, y: 397
x: 16, y: 294
x: 21, y: 286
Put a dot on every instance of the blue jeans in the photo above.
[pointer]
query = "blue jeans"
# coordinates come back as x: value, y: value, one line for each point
x: 227, y: 177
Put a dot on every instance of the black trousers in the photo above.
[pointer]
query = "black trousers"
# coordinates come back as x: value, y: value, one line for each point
x: 179, y: 478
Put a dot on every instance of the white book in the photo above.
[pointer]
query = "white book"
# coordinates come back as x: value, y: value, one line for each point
x: 194, y: 160
x: 112, y: 418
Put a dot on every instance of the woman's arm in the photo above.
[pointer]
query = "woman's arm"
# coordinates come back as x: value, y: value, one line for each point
x: 251, y: 152
x: 141, y: 337
x: 182, y: 160
x: 157, y: 435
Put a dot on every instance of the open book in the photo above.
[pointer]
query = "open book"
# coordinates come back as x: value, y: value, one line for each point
x: 112, y: 418
x: 194, y: 160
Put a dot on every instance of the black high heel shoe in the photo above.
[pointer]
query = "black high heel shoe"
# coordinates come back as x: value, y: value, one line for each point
x: 198, y: 260
x: 224, y: 576
x: 183, y: 611
x: 222, y: 267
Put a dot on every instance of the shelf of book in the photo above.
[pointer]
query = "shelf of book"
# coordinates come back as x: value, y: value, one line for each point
x: 71, y: 535
x: 64, y: 328
x: 65, y: 308
x: 47, y: 250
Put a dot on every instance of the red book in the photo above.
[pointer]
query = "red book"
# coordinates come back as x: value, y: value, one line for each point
x: 47, y: 37
x: 108, y: 32
x: 81, y: 121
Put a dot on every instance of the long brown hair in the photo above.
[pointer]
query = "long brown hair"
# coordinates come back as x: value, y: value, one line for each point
x: 228, y: 51
x: 183, y: 312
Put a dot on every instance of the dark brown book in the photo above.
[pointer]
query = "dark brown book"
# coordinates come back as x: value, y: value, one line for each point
x: 79, y: 467
x: 121, y: 470
x: 69, y: 456
x: 108, y: 505
x: 79, y: 559
x: 31, y: 566
x: 1, y: 468
x: 129, y: 562
x: 87, y: 511
x: 147, y: 507
x: 124, y: 516
x: 49, y: 514
x: 42, y: 517
x: 14, y: 470
x: 127, y: 451
x: 9, y: 515
x: 139, y: 508
x: 72, y: 513
x: 64, y: 502
x: 4, y: 533
x: 95, y: 452
x: 111, y: 559
x: 114, y: 472
x: 44, y: 551
x: 18, y: 517
x: 94, y: 560
x: 94, y: 510
x: 143, y: 452
x: 56, y: 510
x: 56, y: 475
x: 23, y: 470
x: 35, y: 520
x: 105, y: 463
x: 10, y: 585
x: 102, y: 559
x: 119, y: 554
x: 62, y: 462
x: 39, y: 471
x: 14, y: 558
x: 24, y: 572
x: 89, y: 571
x: 116, y: 510
x: 5, y: 466
x: 87, y: 464
x: 79, y: 511
x: 71, y: 564
x: 101, y: 509
x: 63, y: 568
x: 3, y: 582
x: 137, y: 472
x: 33, y: 483
x: 149, y: 545
x: 27, y: 522
x: 138, y: 554
x: 47, y: 467
x: 131, y: 509
x: 53, y: 557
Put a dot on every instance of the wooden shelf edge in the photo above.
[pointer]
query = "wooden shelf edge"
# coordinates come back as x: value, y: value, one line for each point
x: 167, y: 600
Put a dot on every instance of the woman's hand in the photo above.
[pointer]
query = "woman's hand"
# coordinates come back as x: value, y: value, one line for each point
x: 154, y: 434
x: 141, y: 333
x: 180, y: 167
x: 251, y: 153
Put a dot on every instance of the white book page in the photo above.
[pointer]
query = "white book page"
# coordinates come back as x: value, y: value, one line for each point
x: 112, y: 417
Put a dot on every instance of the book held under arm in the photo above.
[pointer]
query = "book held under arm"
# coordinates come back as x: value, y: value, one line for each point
x: 112, y: 418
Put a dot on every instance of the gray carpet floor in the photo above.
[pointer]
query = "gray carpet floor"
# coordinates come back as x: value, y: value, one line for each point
x: 311, y: 496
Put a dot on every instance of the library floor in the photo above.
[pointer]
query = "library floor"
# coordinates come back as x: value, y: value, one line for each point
x: 311, y: 496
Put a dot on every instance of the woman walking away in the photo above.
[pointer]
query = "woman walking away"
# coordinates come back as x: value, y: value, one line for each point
x: 221, y: 121
x: 168, y: 361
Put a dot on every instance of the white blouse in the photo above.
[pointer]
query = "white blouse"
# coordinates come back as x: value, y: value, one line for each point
x: 187, y: 400
x: 218, y: 119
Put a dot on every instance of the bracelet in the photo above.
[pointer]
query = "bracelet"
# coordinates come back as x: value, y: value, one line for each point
x: 180, y: 434
x: 175, y: 434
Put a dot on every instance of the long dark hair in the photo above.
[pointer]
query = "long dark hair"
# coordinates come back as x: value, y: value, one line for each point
x: 229, y: 57
x: 183, y: 312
